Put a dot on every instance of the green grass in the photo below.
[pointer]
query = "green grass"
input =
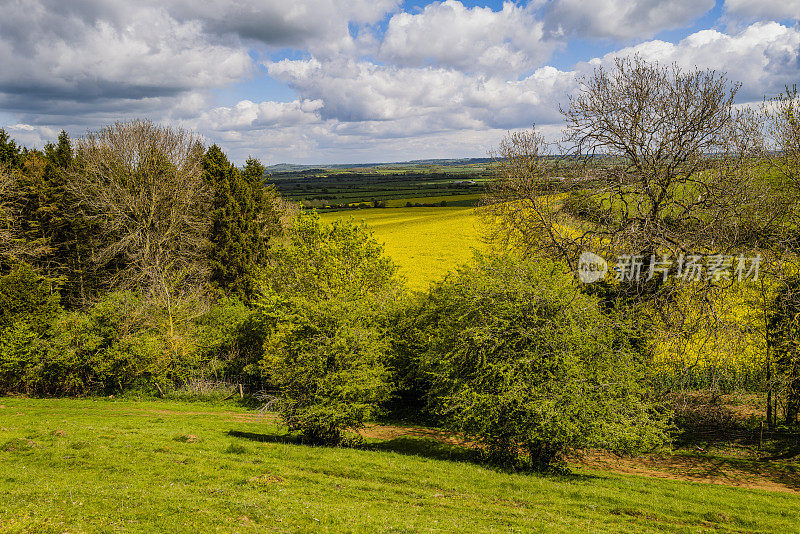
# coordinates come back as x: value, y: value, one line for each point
x: 426, y: 243
x: 117, y: 465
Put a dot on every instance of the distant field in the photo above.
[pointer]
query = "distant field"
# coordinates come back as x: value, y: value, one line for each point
x: 425, y: 243
x: 110, y: 465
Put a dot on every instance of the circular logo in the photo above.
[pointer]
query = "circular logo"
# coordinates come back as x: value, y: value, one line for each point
x: 591, y: 267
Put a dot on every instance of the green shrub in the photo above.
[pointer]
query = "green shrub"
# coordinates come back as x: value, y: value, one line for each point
x: 319, y: 319
x: 26, y: 296
x: 118, y: 344
x: 327, y: 359
x: 515, y: 357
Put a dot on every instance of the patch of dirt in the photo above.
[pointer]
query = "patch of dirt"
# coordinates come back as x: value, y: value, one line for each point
x: 188, y: 438
x: 388, y: 432
x: 771, y: 476
x: 266, y: 478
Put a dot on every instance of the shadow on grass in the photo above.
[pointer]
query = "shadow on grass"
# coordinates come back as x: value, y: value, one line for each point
x: 427, y: 448
x: 266, y: 438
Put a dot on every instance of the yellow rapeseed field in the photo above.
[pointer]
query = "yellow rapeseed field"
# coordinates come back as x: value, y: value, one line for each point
x: 426, y: 243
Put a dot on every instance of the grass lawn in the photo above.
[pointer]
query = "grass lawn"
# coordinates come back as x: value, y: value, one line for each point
x: 426, y: 243
x: 105, y: 465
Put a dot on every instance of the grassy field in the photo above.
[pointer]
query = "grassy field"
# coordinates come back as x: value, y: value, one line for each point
x: 426, y: 243
x: 105, y: 465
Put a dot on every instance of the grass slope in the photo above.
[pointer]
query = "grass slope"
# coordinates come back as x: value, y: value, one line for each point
x: 426, y: 243
x: 102, y: 465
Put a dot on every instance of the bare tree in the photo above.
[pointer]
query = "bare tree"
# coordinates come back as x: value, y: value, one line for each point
x: 141, y: 187
x: 655, y: 163
x: 653, y: 159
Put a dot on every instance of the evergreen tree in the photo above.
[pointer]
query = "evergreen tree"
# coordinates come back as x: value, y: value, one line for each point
x: 10, y: 153
x: 244, y: 219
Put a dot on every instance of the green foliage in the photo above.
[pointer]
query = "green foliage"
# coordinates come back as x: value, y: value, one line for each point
x: 319, y: 314
x: 327, y: 358
x: 783, y: 336
x: 228, y: 342
x: 26, y: 296
x: 244, y: 219
x: 10, y: 153
x: 120, y: 343
x: 323, y: 261
x: 514, y: 356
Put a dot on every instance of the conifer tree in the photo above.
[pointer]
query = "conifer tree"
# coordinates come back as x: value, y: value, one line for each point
x: 244, y: 219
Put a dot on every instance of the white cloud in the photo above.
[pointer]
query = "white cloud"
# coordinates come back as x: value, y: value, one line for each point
x: 443, y: 99
x: 247, y: 115
x: 622, y: 19
x: 765, y: 56
x: 49, y: 55
x: 764, y: 9
x: 474, y: 39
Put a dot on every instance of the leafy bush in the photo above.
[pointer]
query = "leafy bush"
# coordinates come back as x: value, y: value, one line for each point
x: 118, y: 344
x: 515, y: 357
x: 327, y: 360
x: 319, y: 315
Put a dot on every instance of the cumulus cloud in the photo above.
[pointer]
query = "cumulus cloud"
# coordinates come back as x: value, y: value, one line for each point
x: 469, y: 39
x: 374, y: 82
x: 621, y: 19
x: 764, y: 9
x: 765, y: 56
x: 55, y: 58
x: 150, y: 55
x: 359, y: 91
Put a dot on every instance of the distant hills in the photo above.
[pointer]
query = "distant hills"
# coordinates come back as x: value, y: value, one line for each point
x: 291, y: 167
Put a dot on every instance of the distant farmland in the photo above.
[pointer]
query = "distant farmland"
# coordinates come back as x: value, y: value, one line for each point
x: 333, y: 189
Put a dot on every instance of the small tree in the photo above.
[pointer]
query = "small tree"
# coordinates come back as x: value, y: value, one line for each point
x: 320, y: 313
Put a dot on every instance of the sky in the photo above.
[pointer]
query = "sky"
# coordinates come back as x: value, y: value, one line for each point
x: 356, y: 81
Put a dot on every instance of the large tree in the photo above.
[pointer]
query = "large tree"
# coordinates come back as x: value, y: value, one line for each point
x: 654, y: 157
x: 140, y: 186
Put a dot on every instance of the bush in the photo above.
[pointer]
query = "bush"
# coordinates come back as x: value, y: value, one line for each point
x: 320, y: 312
x: 118, y: 344
x: 514, y: 356
x: 327, y: 359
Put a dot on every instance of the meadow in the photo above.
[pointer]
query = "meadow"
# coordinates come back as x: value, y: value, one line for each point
x: 109, y: 465
x: 426, y: 243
